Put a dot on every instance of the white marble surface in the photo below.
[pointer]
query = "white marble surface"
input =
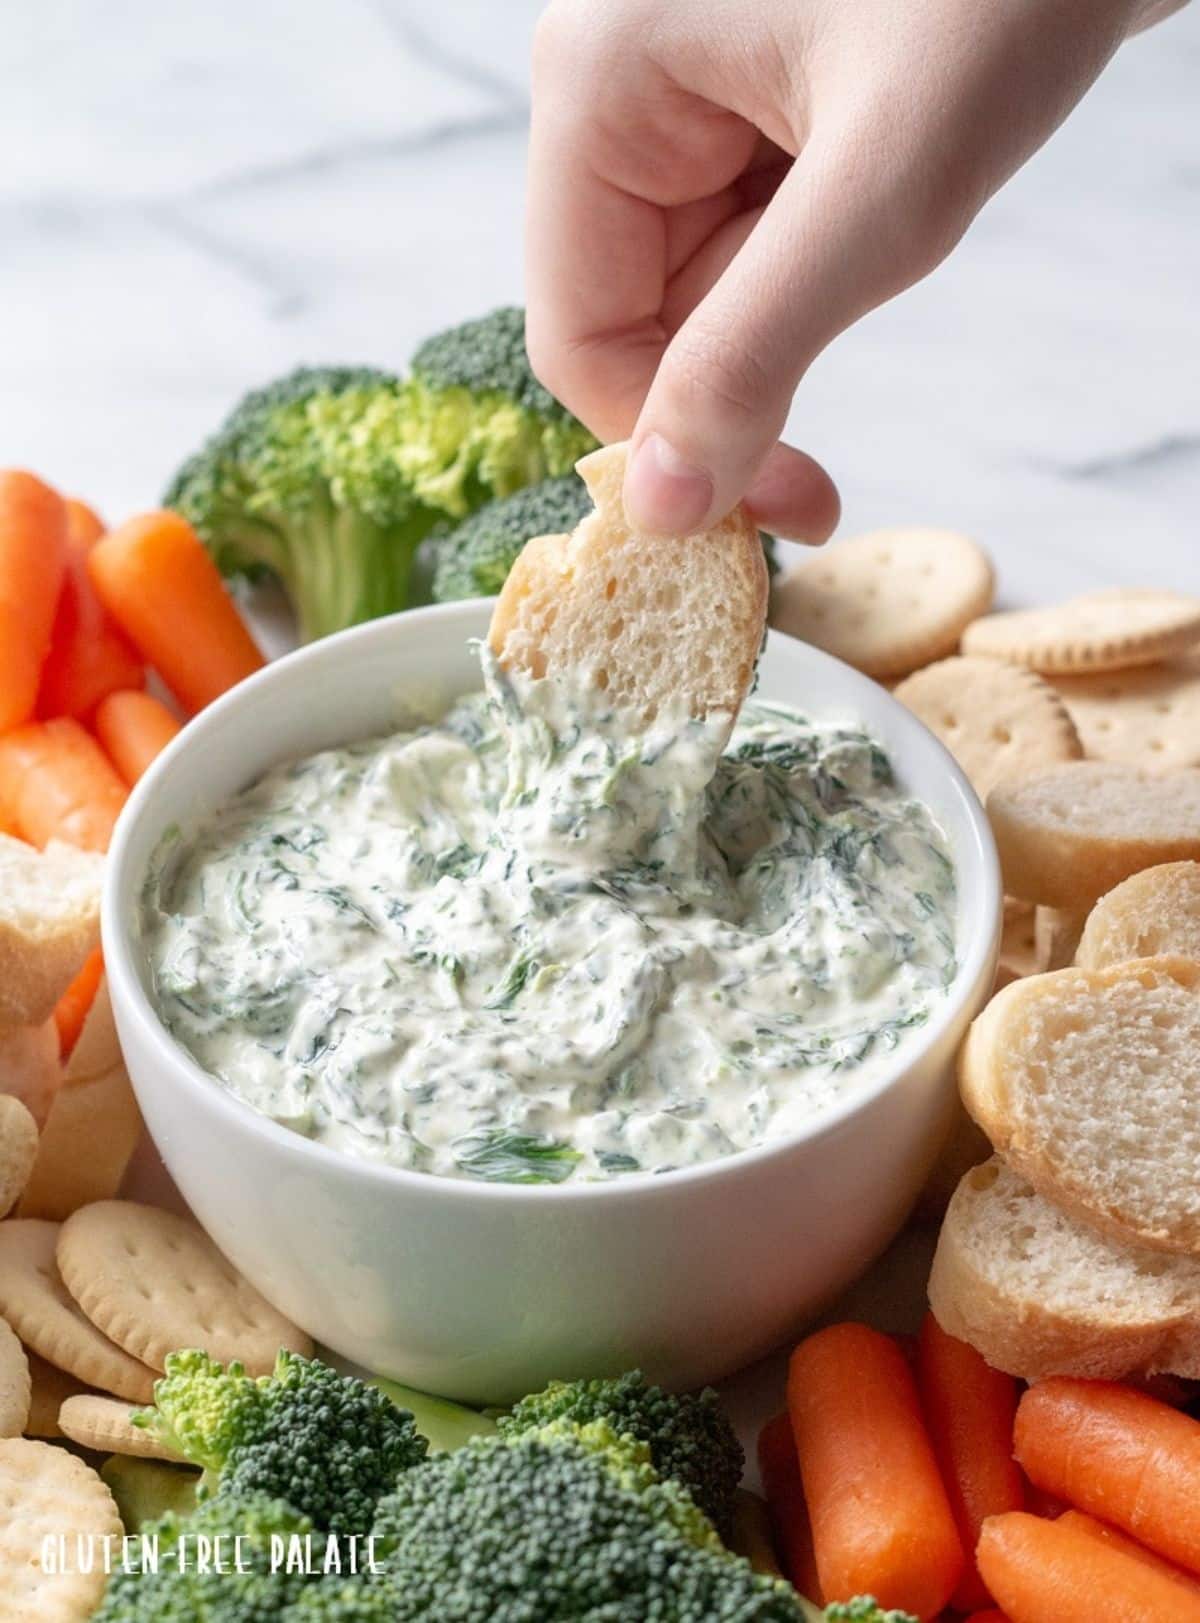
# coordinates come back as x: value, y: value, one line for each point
x: 196, y: 196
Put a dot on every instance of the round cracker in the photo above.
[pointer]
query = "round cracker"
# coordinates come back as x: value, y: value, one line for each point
x: 1101, y: 631
x: 155, y: 1283
x: 1147, y: 717
x: 997, y: 720
x: 42, y: 1311
x: 50, y: 1388
x: 46, y: 1494
x: 887, y: 602
x: 15, y: 1383
x: 18, y: 1150
x: 105, y: 1425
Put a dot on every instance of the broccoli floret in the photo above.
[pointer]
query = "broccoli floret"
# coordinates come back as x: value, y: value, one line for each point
x: 562, y: 1524
x: 327, y: 1443
x: 330, y: 477
x: 346, y: 1600
x: 862, y: 1609
x: 302, y: 481
x: 474, y: 558
x: 689, y: 1434
x: 481, y: 425
x: 181, y: 1591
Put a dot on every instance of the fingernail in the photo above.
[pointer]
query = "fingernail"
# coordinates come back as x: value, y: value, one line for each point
x: 664, y: 493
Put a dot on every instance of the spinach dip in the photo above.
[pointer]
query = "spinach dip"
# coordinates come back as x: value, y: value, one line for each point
x: 539, y: 941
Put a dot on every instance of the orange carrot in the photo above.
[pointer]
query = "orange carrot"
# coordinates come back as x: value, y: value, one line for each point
x: 1119, y: 1455
x: 1116, y: 1540
x: 882, y: 1524
x: 84, y: 524
x: 780, y: 1472
x: 89, y: 655
x: 990, y: 1616
x: 72, y: 1007
x: 156, y: 580
x: 57, y: 783
x: 969, y: 1409
x: 1048, y: 1572
x: 33, y: 555
x: 134, y: 727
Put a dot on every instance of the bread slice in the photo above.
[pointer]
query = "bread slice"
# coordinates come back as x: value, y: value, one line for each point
x: 1039, y: 1294
x: 1085, y: 1082
x: 1072, y: 832
x: 49, y: 922
x: 1156, y: 911
x: 651, y: 620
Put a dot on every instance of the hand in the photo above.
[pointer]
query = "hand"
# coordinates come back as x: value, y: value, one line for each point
x: 720, y: 187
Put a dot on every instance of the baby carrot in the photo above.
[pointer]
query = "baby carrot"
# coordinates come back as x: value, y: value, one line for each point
x: 1116, y: 1540
x: 969, y: 1409
x: 33, y: 554
x: 72, y: 1008
x: 156, y: 580
x: 882, y: 1524
x: 89, y: 655
x: 134, y: 727
x: 1119, y: 1455
x: 84, y: 524
x: 1049, y: 1572
x: 57, y: 783
x: 780, y: 1472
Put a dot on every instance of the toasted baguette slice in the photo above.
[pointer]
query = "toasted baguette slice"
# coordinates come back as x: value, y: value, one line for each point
x: 1039, y: 1294
x: 1155, y: 912
x: 1085, y: 1082
x: 1072, y: 832
x: 49, y: 922
x: 651, y: 620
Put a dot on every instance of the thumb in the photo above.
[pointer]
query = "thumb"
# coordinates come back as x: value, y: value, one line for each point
x: 724, y: 386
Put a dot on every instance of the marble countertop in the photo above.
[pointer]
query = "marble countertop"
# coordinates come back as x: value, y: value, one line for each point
x: 194, y: 198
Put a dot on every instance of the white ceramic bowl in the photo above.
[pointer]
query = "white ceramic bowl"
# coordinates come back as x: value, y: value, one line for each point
x: 486, y: 1291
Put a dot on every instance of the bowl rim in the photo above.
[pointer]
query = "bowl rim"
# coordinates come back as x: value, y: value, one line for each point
x: 120, y: 902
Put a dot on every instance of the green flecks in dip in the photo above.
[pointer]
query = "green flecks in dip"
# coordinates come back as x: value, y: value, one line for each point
x: 538, y: 941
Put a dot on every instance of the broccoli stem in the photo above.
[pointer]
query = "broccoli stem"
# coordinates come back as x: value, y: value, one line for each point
x: 337, y: 566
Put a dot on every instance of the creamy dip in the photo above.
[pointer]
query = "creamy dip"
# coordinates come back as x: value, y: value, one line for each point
x: 539, y: 941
